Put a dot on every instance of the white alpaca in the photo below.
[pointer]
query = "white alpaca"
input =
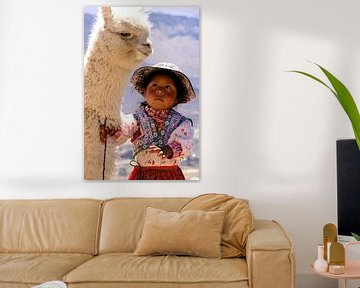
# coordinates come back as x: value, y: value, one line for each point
x: 119, y: 42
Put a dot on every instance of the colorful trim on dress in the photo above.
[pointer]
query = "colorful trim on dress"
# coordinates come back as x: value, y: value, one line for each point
x: 150, y: 135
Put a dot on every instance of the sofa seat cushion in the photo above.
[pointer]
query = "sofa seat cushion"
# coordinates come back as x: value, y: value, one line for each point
x: 242, y: 284
x: 127, y: 268
x: 36, y: 268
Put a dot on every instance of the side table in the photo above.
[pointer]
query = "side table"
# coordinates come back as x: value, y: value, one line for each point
x: 352, y: 268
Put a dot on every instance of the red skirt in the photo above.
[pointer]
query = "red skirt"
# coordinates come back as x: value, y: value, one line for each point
x: 156, y: 173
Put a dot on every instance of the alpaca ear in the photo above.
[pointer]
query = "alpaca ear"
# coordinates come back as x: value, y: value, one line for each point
x: 106, y: 13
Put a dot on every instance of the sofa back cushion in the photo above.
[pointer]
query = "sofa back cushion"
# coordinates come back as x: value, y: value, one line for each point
x: 64, y: 225
x: 239, y: 220
x: 123, y: 220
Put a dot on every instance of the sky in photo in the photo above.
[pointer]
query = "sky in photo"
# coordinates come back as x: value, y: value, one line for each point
x: 192, y: 11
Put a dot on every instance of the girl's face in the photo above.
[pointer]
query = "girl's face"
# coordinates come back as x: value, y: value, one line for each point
x: 161, y: 92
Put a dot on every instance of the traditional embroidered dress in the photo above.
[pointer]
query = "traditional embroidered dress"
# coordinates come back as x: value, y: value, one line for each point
x: 147, y: 127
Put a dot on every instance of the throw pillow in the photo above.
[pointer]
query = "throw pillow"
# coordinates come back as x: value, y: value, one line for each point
x: 238, y: 223
x: 193, y: 232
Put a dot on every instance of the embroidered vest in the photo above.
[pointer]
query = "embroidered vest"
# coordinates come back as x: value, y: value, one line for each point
x: 150, y: 135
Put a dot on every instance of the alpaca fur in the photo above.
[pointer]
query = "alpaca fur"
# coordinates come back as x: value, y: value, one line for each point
x: 119, y: 42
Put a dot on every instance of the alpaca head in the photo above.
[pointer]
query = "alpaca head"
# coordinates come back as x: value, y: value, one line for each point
x: 124, y: 35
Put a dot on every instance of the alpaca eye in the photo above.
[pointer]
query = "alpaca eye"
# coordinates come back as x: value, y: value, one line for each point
x: 125, y: 35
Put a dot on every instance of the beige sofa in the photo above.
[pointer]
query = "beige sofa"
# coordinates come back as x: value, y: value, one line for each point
x: 90, y: 243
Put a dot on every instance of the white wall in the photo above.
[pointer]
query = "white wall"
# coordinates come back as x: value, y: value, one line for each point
x: 267, y: 135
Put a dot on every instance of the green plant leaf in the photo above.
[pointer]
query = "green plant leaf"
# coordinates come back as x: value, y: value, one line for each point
x: 316, y: 79
x: 357, y: 237
x: 346, y: 100
x: 344, y: 97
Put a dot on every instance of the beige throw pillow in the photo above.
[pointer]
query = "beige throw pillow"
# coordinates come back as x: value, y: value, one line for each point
x: 238, y: 223
x: 193, y: 232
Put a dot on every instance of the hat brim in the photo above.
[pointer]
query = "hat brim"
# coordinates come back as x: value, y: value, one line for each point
x: 143, y: 72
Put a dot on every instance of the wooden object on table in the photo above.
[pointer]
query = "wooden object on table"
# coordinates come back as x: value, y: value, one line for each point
x: 329, y: 236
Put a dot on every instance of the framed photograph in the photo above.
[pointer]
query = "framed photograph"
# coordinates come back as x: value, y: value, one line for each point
x: 141, y: 93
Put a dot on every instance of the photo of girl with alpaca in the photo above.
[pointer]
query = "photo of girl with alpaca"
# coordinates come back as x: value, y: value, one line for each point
x: 161, y: 136
x: 128, y: 135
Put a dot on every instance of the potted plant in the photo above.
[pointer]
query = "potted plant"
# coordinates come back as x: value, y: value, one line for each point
x: 346, y: 100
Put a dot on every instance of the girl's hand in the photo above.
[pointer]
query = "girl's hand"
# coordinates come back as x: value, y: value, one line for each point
x: 164, y: 152
x: 106, y: 131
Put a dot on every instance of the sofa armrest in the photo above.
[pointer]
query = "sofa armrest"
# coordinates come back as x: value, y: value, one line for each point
x: 269, y: 256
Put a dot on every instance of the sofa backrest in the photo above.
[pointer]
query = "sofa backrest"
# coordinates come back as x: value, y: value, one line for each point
x: 123, y: 220
x: 62, y: 225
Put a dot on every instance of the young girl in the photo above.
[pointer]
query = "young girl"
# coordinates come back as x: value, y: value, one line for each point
x: 161, y: 136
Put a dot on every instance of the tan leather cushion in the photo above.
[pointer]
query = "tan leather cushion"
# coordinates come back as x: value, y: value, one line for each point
x: 36, y: 268
x: 123, y: 220
x: 127, y: 268
x: 192, y: 232
x: 15, y: 285
x: 270, y: 249
x: 239, y: 220
x: 63, y: 225
x: 237, y: 284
